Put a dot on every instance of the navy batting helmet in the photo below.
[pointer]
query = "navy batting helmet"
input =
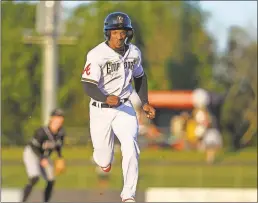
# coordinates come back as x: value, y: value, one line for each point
x: 57, y: 112
x: 118, y: 21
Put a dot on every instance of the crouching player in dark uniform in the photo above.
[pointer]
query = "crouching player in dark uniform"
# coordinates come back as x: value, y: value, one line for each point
x: 36, y: 155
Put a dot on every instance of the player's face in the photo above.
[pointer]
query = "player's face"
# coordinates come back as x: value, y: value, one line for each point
x: 117, y: 38
x: 56, y: 122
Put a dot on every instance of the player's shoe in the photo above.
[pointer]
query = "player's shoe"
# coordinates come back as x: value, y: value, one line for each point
x: 129, y: 200
x: 106, y: 169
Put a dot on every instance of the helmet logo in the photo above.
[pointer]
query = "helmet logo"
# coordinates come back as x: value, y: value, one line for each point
x: 120, y: 19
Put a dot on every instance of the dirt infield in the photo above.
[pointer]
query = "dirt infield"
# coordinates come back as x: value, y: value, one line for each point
x: 83, y: 196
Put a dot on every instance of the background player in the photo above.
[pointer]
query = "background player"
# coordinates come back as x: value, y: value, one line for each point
x: 109, y: 70
x: 36, y: 155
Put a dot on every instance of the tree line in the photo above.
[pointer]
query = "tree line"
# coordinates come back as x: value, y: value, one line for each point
x: 177, y: 51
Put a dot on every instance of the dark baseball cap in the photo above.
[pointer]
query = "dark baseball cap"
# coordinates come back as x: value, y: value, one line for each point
x: 57, y: 112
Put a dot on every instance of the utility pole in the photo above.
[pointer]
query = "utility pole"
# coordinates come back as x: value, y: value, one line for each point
x: 50, y: 27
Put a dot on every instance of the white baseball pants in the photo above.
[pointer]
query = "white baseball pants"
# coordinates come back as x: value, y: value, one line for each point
x: 33, y: 167
x: 121, y: 121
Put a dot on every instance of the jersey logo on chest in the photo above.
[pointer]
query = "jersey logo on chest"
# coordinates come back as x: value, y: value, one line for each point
x: 112, y: 67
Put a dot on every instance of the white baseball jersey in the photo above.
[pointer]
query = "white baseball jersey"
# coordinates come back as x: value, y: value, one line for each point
x: 110, y: 71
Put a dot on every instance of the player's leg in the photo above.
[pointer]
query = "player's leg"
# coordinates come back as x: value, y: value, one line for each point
x: 101, y: 135
x: 125, y: 127
x: 48, y: 175
x: 32, y: 165
x: 48, y: 190
x: 28, y: 188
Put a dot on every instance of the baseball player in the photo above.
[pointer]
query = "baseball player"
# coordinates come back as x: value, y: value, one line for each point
x: 36, y: 155
x: 107, y: 78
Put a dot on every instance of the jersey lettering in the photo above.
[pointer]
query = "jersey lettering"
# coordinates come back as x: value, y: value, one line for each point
x: 129, y: 64
x: 111, y: 72
x: 111, y: 67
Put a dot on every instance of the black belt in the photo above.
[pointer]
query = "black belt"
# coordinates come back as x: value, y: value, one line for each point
x: 104, y: 105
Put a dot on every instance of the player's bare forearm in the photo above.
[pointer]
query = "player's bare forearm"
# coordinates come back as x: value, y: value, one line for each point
x: 141, y: 87
x: 94, y: 92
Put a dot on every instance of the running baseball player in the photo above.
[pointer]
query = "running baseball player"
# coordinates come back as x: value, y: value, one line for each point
x: 107, y: 78
x: 36, y: 155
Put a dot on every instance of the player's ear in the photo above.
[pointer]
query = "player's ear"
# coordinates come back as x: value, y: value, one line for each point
x: 107, y: 34
x: 129, y: 35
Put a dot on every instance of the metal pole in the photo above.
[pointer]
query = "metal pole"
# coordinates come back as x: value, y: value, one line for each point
x: 49, y: 78
x: 49, y: 83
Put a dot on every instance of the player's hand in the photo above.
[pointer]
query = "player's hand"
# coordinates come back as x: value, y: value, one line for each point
x: 113, y: 100
x: 149, y: 110
x: 44, y: 162
x: 59, y: 165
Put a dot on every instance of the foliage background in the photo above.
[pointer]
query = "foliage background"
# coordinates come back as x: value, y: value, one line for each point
x: 178, y: 53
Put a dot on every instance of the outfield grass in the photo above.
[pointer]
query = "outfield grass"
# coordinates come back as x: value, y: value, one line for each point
x: 84, y: 176
x: 84, y: 153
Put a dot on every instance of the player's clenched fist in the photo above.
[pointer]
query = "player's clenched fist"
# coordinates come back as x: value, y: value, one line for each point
x: 113, y: 100
x: 150, y: 111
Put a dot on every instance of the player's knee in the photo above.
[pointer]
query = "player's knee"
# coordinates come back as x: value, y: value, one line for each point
x: 103, y: 161
x: 34, y: 180
x: 51, y: 179
x: 130, y: 148
x: 103, y: 157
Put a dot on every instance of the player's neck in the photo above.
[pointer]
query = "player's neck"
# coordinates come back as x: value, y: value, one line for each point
x: 120, y: 50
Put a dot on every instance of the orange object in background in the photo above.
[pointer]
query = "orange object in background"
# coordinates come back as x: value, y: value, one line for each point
x: 171, y: 99
x: 153, y: 132
x: 179, y: 145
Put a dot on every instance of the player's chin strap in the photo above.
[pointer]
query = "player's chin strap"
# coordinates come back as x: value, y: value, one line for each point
x: 126, y: 41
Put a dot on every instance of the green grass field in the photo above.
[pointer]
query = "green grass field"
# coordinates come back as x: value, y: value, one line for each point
x: 158, y: 168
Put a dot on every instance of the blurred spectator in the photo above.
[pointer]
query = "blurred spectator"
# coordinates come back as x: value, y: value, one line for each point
x: 206, y: 117
x: 178, y: 130
x: 211, y: 142
x: 200, y: 98
x: 197, y: 125
x: 191, y: 138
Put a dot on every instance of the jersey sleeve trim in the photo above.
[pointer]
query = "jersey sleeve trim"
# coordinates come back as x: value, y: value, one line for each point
x: 89, y: 80
x: 140, y: 75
